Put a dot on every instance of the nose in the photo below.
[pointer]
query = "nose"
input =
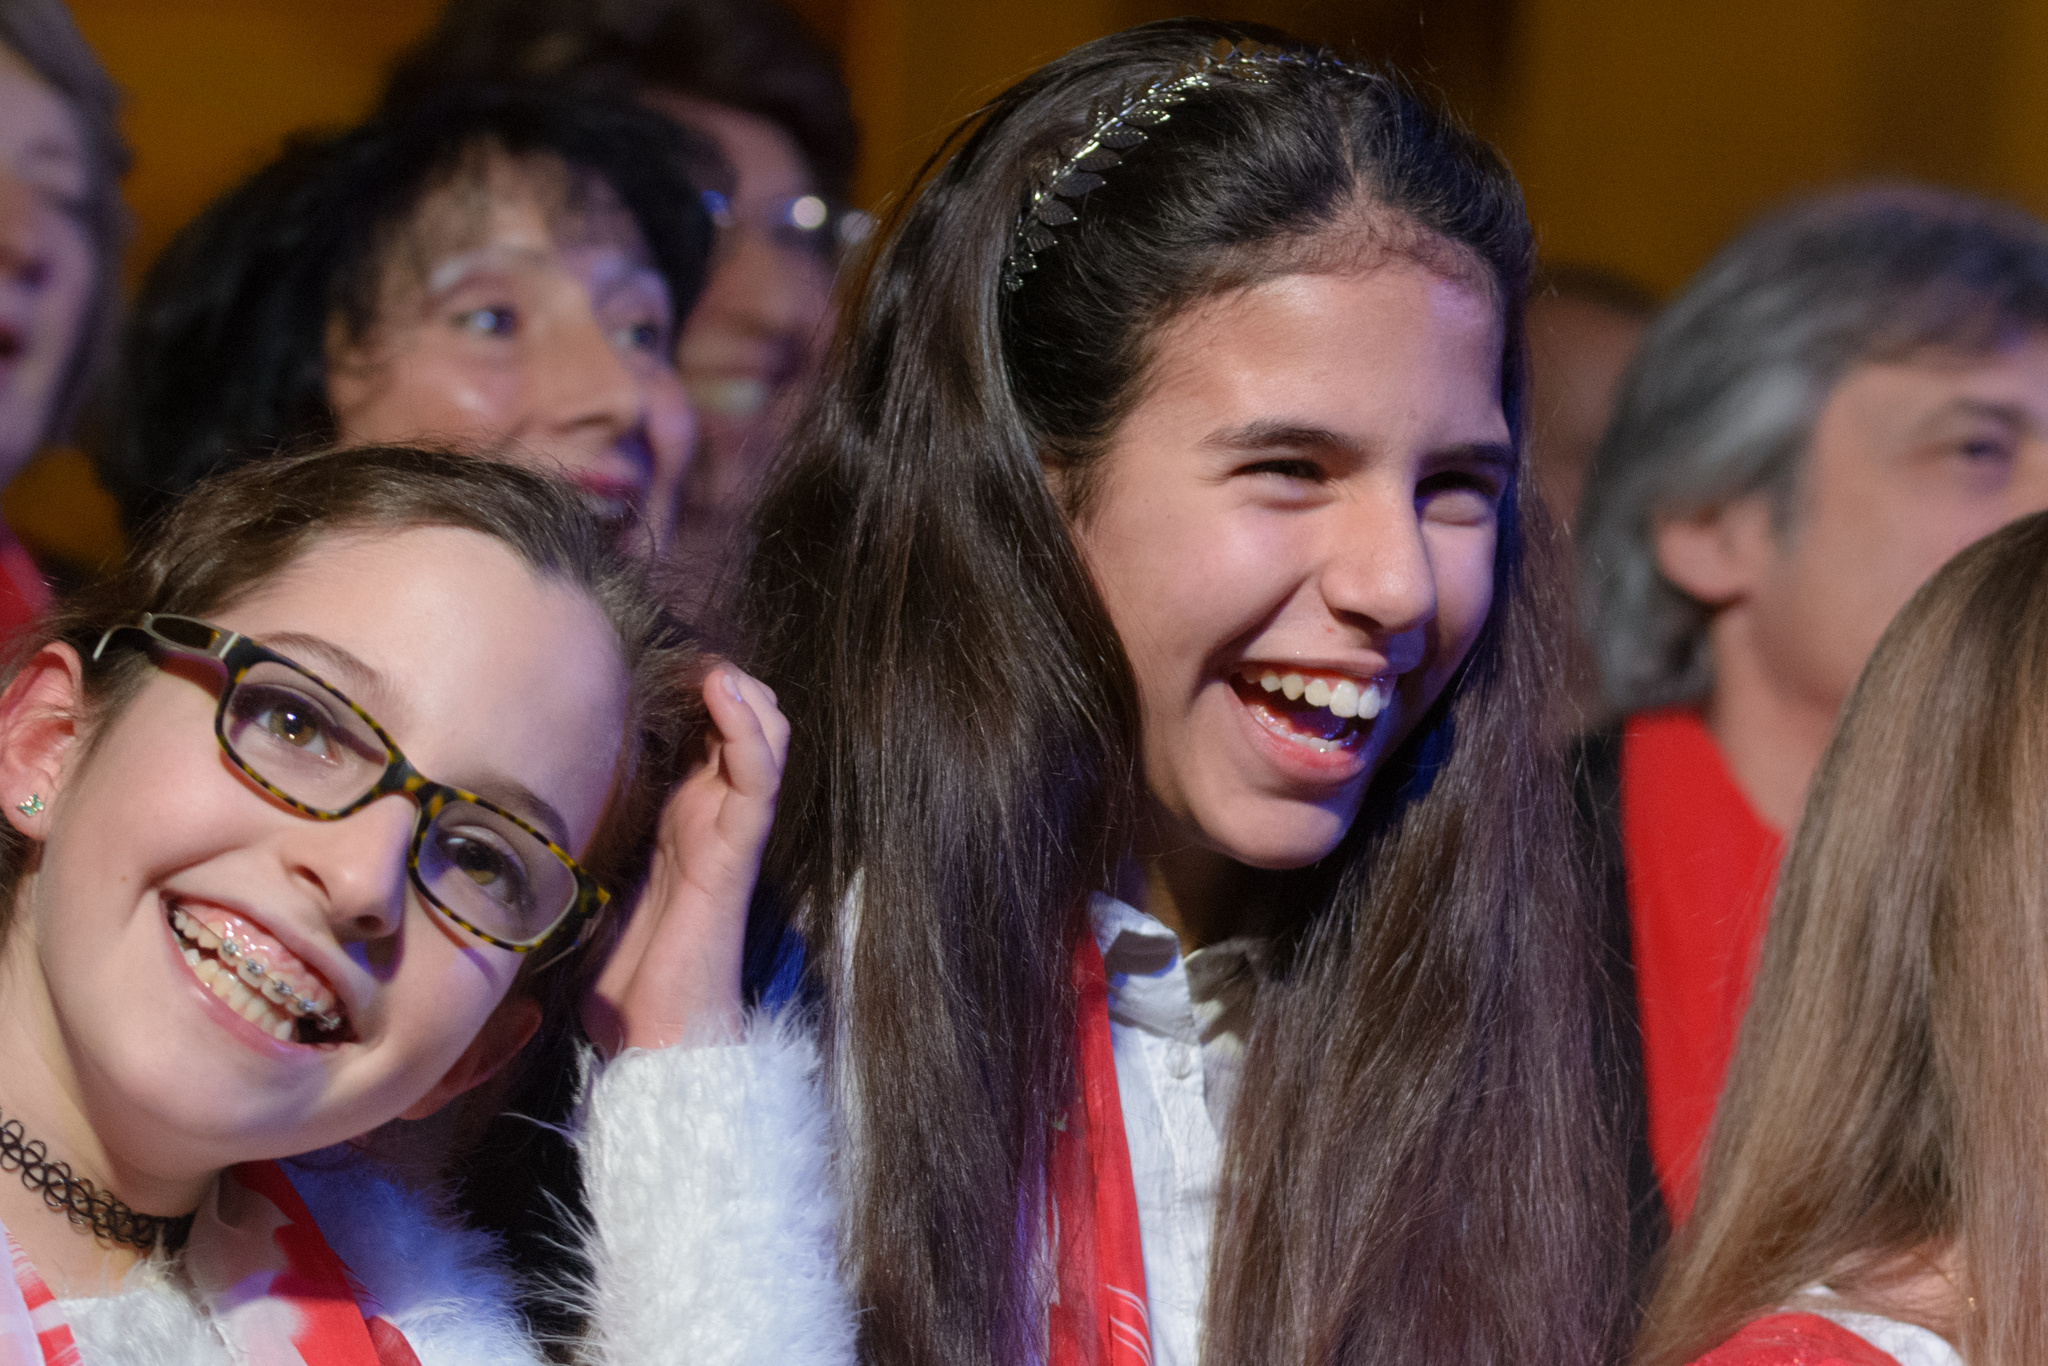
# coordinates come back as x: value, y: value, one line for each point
x: 22, y: 258
x: 583, y: 388
x: 763, y: 289
x: 357, y: 867
x: 1376, y: 569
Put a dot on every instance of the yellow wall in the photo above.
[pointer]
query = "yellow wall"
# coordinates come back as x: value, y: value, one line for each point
x: 1645, y: 131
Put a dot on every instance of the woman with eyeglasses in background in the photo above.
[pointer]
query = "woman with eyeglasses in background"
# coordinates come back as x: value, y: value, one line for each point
x: 747, y: 75
x: 314, y: 811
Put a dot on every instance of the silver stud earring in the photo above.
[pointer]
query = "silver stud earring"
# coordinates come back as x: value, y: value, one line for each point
x: 32, y: 807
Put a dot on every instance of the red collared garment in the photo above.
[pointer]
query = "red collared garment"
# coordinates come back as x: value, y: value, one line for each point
x: 1700, y: 866
x: 1796, y: 1340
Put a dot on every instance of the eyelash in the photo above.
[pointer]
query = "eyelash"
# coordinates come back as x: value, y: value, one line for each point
x: 1307, y: 471
x: 1485, y: 485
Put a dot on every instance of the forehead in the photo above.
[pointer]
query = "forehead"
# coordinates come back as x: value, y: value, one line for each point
x: 1364, y: 337
x: 34, y: 119
x: 759, y: 151
x: 536, y: 203
x: 481, y: 667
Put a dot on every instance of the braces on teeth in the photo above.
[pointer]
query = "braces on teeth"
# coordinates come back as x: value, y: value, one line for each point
x: 256, y: 976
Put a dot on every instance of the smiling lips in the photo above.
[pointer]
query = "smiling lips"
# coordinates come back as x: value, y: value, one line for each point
x: 256, y: 976
x: 1318, y: 711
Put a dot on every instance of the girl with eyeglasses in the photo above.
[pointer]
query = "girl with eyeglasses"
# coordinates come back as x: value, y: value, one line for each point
x: 315, y: 811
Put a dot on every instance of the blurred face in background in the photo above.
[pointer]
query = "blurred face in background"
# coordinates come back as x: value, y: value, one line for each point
x: 754, y: 336
x: 521, y: 311
x: 1910, y: 461
x: 47, y: 265
x: 1578, y: 349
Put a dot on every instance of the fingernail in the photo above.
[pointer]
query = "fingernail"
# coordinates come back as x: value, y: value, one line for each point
x: 732, y: 685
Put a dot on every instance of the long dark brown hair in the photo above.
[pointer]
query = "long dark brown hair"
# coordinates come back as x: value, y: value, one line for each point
x: 1885, y: 1105
x: 1417, y: 1170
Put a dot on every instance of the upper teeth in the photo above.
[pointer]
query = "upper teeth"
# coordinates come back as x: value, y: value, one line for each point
x: 1343, y: 696
x: 258, y: 978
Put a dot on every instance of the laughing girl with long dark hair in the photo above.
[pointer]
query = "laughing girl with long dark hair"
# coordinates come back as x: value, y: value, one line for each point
x: 1185, y: 873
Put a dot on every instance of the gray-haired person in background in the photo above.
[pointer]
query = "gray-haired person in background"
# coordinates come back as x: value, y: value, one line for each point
x: 62, y: 227
x: 1852, y: 391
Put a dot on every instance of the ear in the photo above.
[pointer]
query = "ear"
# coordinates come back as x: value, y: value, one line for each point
x: 38, y: 725
x: 1719, y: 555
x: 497, y: 1043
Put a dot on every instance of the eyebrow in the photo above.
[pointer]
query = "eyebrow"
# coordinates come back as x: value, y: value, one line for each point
x: 369, y: 689
x: 2012, y: 414
x: 1254, y: 437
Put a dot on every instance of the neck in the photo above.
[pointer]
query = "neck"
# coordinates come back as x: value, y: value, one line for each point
x: 1199, y: 894
x: 1770, y: 732
x: 1927, y: 1286
x: 41, y: 1091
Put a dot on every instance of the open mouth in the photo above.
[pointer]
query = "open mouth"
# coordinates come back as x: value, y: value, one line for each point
x: 258, y: 978
x: 1322, y: 712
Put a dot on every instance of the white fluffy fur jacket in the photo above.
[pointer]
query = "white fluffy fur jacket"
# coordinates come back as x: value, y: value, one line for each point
x: 712, y: 1238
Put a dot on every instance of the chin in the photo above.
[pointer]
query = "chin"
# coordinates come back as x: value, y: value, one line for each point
x: 1291, y: 836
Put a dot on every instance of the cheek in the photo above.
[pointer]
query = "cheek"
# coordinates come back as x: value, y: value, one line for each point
x: 420, y: 387
x: 62, y: 303
x: 671, y: 421
x: 443, y: 993
x: 1461, y: 558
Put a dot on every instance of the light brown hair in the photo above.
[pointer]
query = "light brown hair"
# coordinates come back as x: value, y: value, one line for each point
x: 1889, y: 1096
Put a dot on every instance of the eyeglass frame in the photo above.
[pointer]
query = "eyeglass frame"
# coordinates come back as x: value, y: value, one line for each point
x: 237, y: 654
x: 829, y: 240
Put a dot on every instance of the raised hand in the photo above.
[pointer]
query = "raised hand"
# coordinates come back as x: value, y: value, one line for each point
x: 676, y: 971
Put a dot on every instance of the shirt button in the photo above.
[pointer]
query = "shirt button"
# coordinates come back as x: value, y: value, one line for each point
x: 1180, y: 1060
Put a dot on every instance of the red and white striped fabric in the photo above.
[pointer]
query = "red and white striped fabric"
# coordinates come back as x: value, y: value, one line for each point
x: 264, y: 1270
x: 32, y: 1327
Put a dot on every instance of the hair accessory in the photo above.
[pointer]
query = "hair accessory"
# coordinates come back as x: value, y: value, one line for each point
x: 79, y: 1200
x: 1118, y: 132
x: 32, y: 807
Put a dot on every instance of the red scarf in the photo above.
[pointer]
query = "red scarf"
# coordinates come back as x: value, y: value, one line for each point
x: 245, y: 1281
x: 1701, y: 866
x: 1098, y: 1316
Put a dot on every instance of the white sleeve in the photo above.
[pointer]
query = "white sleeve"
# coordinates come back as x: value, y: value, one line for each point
x: 713, y: 1236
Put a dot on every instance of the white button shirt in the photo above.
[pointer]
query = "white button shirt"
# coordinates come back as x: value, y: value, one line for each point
x: 1176, y: 1027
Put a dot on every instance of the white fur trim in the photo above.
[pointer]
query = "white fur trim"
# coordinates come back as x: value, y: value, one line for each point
x: 150, y: 1322
x: 443, y: 1284
x: 440, y: 1283
x: 714, y: 1222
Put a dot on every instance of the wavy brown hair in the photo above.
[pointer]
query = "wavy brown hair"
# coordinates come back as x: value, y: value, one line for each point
x: 1888, y: 1100
x: 1418, y: 1169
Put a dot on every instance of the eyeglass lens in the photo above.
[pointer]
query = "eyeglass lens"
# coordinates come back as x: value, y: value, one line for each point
x: 312, y: 746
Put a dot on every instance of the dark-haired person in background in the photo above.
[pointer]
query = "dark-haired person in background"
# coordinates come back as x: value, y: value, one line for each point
x: 746, y: 74
x: 497, y: 268
x: 1852, y: 391
x: 62, y: 226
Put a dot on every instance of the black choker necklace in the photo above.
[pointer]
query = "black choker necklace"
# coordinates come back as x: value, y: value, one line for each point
x: 83, y: 1203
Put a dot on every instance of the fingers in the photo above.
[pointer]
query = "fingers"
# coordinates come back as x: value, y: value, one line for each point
x: 753, y: 734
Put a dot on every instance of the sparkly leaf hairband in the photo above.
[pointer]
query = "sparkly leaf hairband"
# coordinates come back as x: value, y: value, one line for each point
x: 1114, y: 134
